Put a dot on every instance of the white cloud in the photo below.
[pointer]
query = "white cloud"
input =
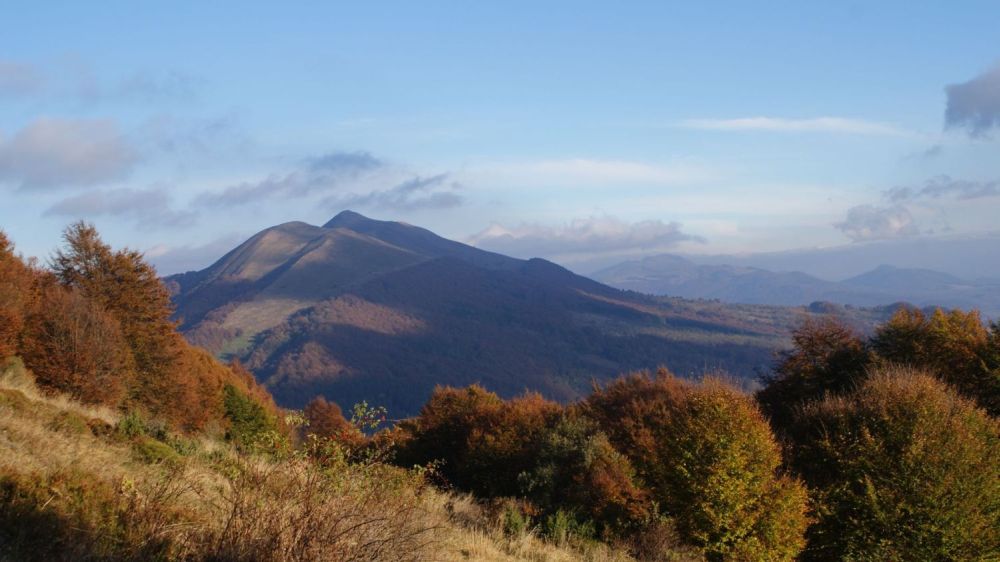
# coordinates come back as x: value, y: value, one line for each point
x: 784, y: 125
x: 581, y: 238
x: 53, y: 152
x: 591, y: 172
x: 870, y: 222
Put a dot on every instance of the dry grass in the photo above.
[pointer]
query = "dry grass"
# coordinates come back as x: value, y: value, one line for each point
x: 73, y: 489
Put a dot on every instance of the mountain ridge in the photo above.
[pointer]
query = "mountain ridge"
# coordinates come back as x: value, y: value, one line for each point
x: 360, y: 309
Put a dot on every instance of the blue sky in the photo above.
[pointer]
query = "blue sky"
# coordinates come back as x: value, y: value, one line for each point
x: 583, y: 132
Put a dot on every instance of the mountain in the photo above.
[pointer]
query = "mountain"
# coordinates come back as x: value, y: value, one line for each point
x: 361, y: 309
x: 682, y: 277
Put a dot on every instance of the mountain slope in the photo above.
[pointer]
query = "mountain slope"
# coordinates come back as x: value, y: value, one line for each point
x: 371, y: 310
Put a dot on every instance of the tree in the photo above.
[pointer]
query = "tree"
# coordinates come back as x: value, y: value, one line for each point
x: 578, y: 471
x: 326, y: 421
x: 74, y: 346
x: 826, y: 357
x: 902, y: 468
x: 129, y: 289
x: 954, y: 345
x: 707, y: 455
x: 16, y: 296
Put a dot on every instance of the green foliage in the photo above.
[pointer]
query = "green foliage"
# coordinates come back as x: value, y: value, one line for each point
x: 706, y: 454
x: 69, y: 423
x: 576, y: 469
x: 902, y: 469
x: 560, y: 526
x: 829, y: 358
x: 250, y: 425
x: 131, y: 425
x: 153, y: 451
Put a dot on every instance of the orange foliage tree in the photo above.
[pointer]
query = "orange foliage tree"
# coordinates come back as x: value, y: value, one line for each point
x: 74, y: 346
x: 16, y: 296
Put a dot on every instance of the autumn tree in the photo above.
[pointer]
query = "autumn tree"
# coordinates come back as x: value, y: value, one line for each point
x: 129, y: 289
x: 325, y: 420
x: 16, y: 296
x: 707, y: 455
x: 577, y: 471
x: 954, y: 345
x: 73, y: 345
x: 827, y: 356
x: 902, y: 468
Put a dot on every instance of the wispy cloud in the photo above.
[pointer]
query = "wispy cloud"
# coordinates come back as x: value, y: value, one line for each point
x: 841, y: 125
x: 51, y: 153
x: 592, y: 172
x: 315, y: 175
x: 435, y: 192
x: 945, y: 187
x: 149, y: 206
x: 588, y: 236
x: 975, y: 105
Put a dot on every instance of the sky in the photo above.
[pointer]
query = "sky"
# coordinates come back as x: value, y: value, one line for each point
x: 584, y: 132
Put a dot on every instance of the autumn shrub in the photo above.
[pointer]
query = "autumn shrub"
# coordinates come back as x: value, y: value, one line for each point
x: 325, y: 420
x: 708, y: 458
x: 901, y: 468
x: 953, y: 345
x: 72, y: 345
x: 273, y: 512
x: 16, y: 296
x: 580, y: 480
x: 481, y: 442
x: 826, y: 357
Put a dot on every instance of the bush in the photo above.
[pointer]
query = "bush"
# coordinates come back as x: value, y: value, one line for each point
x: 902, y: 468
x: 249, y: 423
x: 707, y: 456
x: 326, y: 421
x: 482, y: 442
x: 578, y: 472
x: 826, y: 357
x: 72, y: 345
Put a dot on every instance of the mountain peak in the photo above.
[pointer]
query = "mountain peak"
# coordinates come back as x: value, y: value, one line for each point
x: 347, y: 219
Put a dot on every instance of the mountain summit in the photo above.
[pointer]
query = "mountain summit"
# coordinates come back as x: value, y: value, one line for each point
x: 362, y: 309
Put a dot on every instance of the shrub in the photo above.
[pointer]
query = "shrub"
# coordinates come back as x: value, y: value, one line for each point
x: 326, y: 421
x: 483, y: 442
x: 249, y: 422
x: 902, y: 468
x: 73, y: 346
x: 826, y: 357
x: 578, y: 472
x: 953, y: 345
x: 707, y: 456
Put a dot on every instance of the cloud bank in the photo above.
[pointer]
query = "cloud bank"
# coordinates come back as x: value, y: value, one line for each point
x: 583, y: 237
x: 870, y: 222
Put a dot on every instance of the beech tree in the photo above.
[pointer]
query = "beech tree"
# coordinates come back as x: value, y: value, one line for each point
x: 902, y: 468
x: 707, y: 455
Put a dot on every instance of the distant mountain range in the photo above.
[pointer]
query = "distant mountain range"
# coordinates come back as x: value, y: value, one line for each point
x: 681, y: 277
x: 359, y: 309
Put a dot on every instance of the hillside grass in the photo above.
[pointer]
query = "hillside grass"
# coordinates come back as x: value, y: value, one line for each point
x: 87, y: 483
